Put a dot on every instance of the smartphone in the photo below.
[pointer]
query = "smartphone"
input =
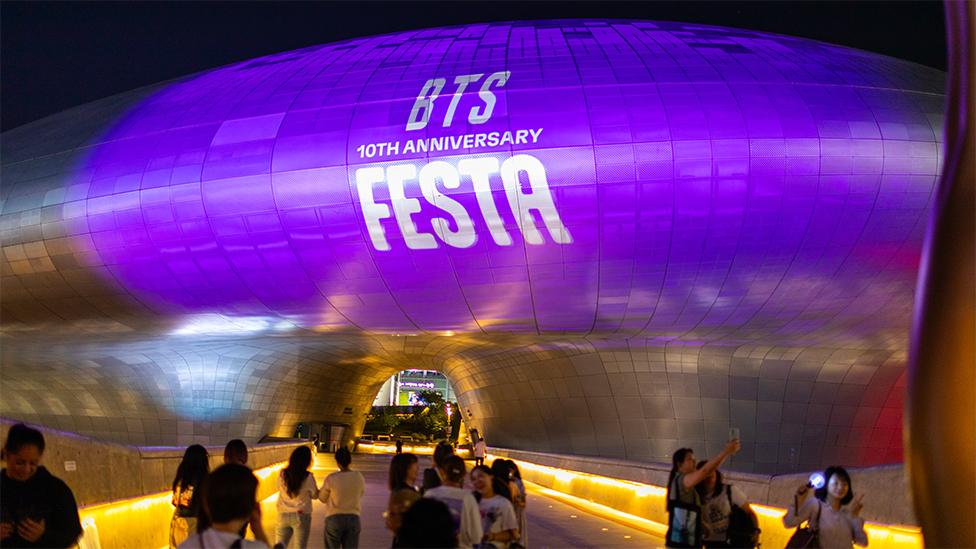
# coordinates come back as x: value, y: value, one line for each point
x: 733, y: 433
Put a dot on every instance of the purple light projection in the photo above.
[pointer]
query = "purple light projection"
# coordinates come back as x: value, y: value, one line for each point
x: 650, y: 178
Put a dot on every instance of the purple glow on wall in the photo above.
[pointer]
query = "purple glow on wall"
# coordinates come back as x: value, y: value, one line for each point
x: 645, y: 178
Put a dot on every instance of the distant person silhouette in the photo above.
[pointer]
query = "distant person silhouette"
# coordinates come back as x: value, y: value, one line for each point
x: 480, y: 451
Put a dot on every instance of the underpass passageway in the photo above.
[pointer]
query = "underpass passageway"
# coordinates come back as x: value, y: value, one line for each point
x: 551, y: 523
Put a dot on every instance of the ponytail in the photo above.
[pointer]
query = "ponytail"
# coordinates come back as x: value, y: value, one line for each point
x: 676, y: 459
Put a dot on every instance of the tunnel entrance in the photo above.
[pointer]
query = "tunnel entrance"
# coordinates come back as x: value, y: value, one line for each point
x: 415, y: 406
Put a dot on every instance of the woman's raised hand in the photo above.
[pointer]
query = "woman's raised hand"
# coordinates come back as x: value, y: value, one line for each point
x: 732, y: 447
x: 801, y: 495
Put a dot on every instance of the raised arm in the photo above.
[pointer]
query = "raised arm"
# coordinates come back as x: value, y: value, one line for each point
x: 692, y: 479
x: 857, y: 523
x: 802, y: 509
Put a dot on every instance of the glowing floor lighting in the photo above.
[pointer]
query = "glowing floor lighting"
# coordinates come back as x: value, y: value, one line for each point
x: 592, y: 493
x: 144, y: 521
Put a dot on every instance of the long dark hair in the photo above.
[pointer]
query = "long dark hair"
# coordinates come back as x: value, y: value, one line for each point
x: 297, y: 469
x: 821, y: 493
x: 193, y: 468
x: 515, y: 470
x: 399, y: 466
x: 499, y: 486
x: 676, y: 459
x: 719, y: 485
x: 442, y: 451
x: 501, y: 470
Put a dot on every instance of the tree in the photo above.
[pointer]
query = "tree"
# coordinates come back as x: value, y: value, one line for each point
x: 430, y: 398
x: 432, y: 420
x: 381, y: 419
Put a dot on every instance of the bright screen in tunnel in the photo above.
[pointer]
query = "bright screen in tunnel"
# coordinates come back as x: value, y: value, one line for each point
x: 560, y: 176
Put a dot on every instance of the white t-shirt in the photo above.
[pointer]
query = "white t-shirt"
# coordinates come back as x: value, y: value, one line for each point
x: 464, y: 510
x: 835, y: 529
x: 215, y: 539
x: 480, y: 449
x: 716, y: 512
x: 342, y: 492
x: 300, y: 502
x: 497, y: 515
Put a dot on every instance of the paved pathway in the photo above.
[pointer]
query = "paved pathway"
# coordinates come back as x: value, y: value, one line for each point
x: 551, y: 523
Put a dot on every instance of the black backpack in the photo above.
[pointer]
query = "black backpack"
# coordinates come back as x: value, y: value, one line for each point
x: 743, y: 528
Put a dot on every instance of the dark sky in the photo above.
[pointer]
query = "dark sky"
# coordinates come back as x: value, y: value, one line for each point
x: 57, y: 55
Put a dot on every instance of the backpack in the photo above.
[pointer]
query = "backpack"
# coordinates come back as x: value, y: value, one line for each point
x: 743, y: 529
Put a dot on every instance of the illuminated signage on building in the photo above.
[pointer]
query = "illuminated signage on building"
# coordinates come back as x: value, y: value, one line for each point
x: 533, y: 177
x: 416, y: 385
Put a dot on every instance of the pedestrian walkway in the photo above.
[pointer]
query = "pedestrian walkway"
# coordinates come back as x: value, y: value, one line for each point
x: 551, y: 524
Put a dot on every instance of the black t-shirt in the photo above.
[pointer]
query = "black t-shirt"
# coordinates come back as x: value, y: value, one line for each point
x: 43, y: 496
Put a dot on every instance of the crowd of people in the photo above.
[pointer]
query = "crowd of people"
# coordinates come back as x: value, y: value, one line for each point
x: 448, y: 508
x: 483, y: 508
x: 205, y: 516
x: 451, y: 508
x: 706, y: 511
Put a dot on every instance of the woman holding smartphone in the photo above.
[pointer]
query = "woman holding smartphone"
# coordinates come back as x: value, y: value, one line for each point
x: 38, y: 508
x: 683, y: 502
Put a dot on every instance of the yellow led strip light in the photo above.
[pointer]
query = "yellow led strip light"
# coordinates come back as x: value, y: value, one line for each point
x: 641, y: 506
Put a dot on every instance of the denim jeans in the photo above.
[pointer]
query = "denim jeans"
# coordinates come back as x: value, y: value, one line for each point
x: 297, y: 524
x: 341, y: 531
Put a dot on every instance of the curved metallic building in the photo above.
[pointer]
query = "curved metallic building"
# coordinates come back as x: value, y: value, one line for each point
x: 616, y: 237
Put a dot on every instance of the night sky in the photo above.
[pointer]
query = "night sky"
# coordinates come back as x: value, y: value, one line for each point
x: 58, y: 55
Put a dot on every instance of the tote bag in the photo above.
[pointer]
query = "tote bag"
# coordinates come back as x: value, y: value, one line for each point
x: 684, y: 523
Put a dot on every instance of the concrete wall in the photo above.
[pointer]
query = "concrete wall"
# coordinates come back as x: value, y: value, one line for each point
x: 798, y: 408
x: 105, y: 472
x: 170, y: 391
x: 887, y: 497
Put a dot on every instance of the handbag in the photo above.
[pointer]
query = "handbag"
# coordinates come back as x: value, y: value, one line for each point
x: 805, y: 537
x: 684, y: 523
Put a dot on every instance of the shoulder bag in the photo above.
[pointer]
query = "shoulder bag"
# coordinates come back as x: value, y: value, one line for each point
x: 805, y: 537
x: 684, y: 522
